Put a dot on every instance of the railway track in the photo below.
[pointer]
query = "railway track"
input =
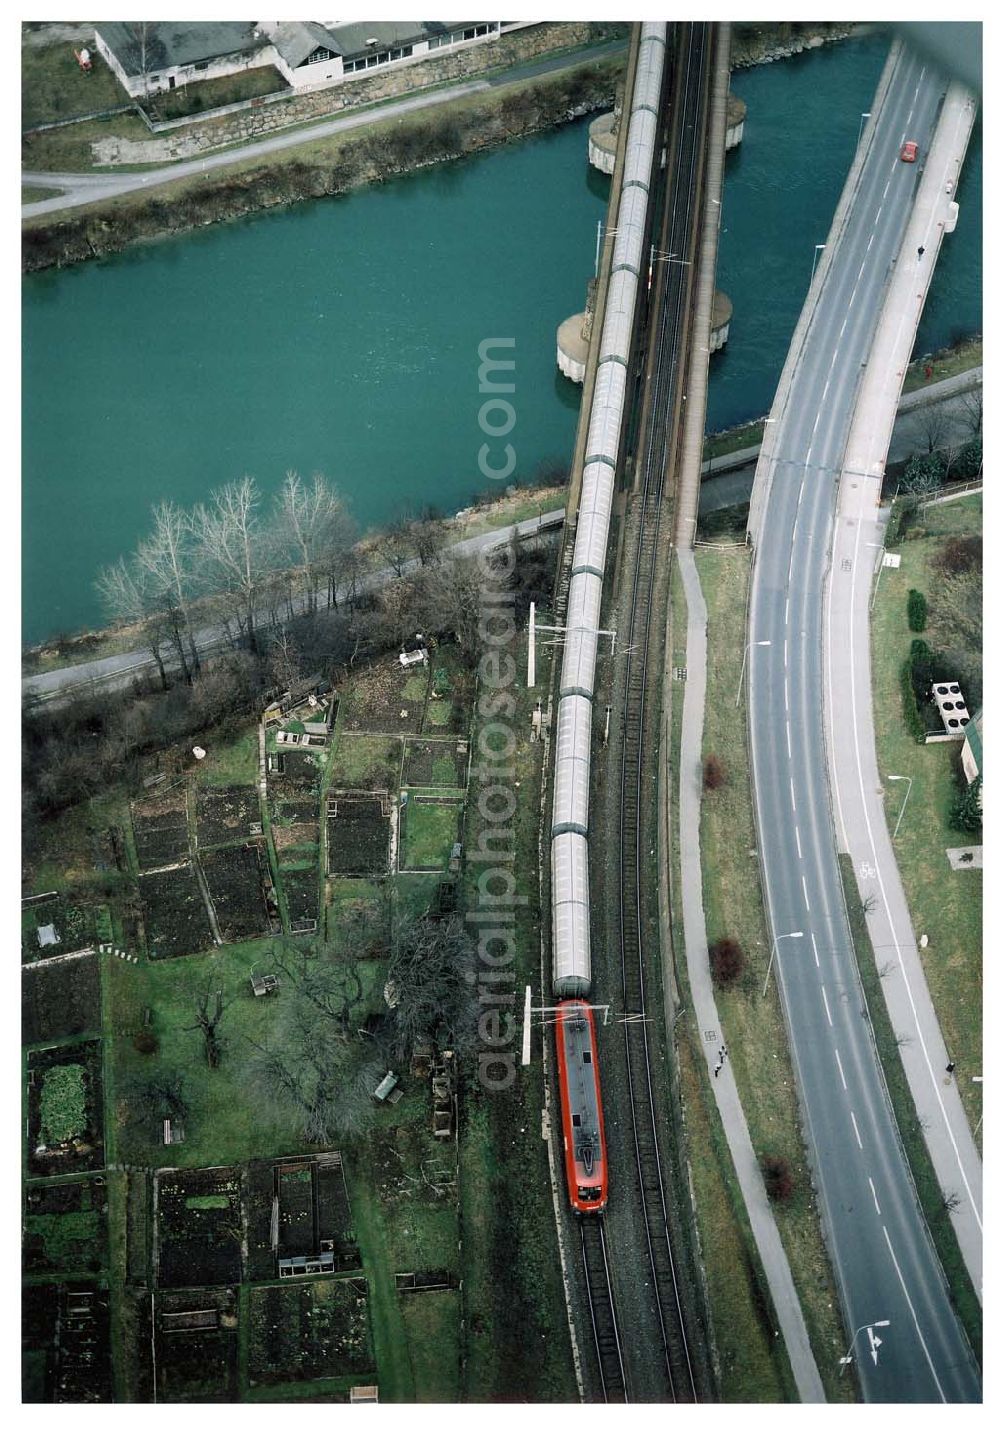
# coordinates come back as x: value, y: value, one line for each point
x: 603, y: 1318
x: 660, y: 426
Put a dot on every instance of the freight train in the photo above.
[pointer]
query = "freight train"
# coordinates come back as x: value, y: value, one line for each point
x: 579, y: 1077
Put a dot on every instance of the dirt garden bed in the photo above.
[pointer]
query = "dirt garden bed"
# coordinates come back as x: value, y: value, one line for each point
x: 60, y: 1000
x: 298, y: 1333
x: 359, y: 836
x: 293, y: 774
x: 227, y: 813
x: 300, y: 893
x: 66, y: 1342
x: 65, y: 1110
x: 387, y: 699
x: 197, y: 1345
x: 239, y: 888
x: 174, y: 913
x: 160, y: 827
x: 66, y: 1227
x: 199, y: 1227
x: 436, y: 763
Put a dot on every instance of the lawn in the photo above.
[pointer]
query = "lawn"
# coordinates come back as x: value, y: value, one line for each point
x: 223, y: 1123
x: 749, y: 1369
x: 365, y: 762
x: 945, y: 904
x: 195, y: 99
x: 754, y: 1027
x: 430, y: 831
x: 53, y: 86
x: 233, y: 762
x: 69, y: 149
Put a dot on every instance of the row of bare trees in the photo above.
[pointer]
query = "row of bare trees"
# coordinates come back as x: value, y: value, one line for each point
x: 229, y: 560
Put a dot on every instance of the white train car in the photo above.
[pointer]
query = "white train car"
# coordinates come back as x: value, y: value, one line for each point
x: 571, y: 977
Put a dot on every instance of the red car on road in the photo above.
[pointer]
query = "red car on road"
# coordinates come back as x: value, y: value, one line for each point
x: 908, y: 153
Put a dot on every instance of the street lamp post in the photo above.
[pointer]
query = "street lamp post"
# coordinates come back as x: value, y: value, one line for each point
x: 909, y: 786
x: 743, y: 665
x: 846, y: 1360
x: 816, y: 252
x: 865, y: 114
x: 795, y: 934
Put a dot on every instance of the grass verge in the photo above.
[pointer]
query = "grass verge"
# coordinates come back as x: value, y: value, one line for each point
x: 963, y: 1294
x: 945, y: 904
x: 754, y: 1027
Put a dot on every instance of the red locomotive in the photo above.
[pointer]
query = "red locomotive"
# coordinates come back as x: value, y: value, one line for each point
x: 580, y: 1104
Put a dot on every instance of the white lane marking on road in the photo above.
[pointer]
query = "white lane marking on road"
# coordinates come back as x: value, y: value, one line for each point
x: 874, y: 1197
x: 822, y: 989
x: 786, y: 610
x: 913, y: 1314
x: 788, y: 738
x: 786, y: 654
x: 869, y: 244
x: 786, y: 693
x: 840, y: 1069
x: 805, y: 893
x: 798, y: 842
x: 876, y: 872
x: 826, y: 389
x: 815, y: 950
x: 791, y: 784
x: 879, y: 214
x: 854, y: 1124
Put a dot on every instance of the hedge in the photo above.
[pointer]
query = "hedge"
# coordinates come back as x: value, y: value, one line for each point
x: 916, y: 610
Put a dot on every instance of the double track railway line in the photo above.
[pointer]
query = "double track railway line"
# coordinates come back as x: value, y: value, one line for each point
x: 662, y: 413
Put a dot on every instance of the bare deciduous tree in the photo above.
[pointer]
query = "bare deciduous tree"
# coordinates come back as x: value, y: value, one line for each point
x: 166, y: 555
x: 311, y: 522
x: 972, y: 406
x: 228, y: 536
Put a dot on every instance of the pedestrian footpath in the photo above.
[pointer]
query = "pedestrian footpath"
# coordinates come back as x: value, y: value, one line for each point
x: 727, y: 1098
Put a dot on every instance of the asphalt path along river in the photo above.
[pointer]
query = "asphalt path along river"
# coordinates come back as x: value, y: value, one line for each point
x: 883, y: 1255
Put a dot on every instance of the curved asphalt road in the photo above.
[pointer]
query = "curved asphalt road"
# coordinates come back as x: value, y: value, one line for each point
x: 882, y: 1253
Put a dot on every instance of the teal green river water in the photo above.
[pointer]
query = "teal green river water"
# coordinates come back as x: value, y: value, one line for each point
x: 342, y: 335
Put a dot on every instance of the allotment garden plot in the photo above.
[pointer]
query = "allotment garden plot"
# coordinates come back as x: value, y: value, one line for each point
x: 295, y: 833
x: 430, y: 827
x: 227, y: 813
x: 199, y: 1227
x: 440, y: 763
x: 359, y: 834
x: 160, y: 827
x: 386, y: 699
x: 299, y: 1218
x: 59, y: 924
x: 66, y: 1342
x: 197, y: 1351
x: 174, y: 913
x: 240, y: 890
x: 65, y: 1110
x: 318, y: 1329
x: 60, y: 1000
x: 66, y: 1227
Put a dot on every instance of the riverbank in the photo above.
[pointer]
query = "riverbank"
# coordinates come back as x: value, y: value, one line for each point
x: 332, y: 165
x: 763, y: 44
x: 516, y: 505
